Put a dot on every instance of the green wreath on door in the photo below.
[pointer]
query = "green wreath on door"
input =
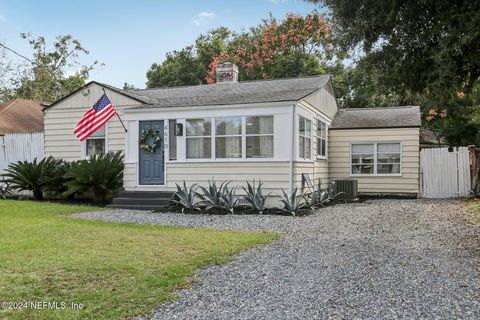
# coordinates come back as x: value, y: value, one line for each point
x: 155, y: 137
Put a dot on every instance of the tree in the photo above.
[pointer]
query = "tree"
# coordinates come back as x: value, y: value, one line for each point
x: 456, y: 116
x: 44, y: 77
x: 417, y: 47
x: 180, y: 68
x: 296, y: 46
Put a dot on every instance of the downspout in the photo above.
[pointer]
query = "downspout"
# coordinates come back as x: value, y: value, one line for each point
x: 292, y: 150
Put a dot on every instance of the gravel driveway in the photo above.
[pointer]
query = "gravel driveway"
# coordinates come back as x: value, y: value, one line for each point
x: 380, y: 259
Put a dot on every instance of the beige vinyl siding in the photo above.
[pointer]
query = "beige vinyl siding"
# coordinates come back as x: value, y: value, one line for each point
x: 274, y: 175
x: 339, y: 159
x: 323, y: 101
x: 324, y: 106
x: 60, y: 121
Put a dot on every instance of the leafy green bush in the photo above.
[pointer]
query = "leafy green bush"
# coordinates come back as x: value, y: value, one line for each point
x: 26, y: 176
x: 255, y: 197
x: 101, y: 176
x: 55, y: 183
x: 293, y: 202
x: 229, y: 199
x: 185, y: 197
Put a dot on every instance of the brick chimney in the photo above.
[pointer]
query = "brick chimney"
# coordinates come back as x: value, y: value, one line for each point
x: 227, y: 72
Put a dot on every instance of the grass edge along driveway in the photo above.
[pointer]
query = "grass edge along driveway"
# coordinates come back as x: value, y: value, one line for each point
x: 113, y: 270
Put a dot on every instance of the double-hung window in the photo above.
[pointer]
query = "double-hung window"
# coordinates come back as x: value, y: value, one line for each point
x: 304, y: 138
x: 321, y: 139
x: 259, y: 136
x: 236, y: 137
x: 95, y: 144
x: 376, y: 158
x: 199, y: 138
x: 228, y: 137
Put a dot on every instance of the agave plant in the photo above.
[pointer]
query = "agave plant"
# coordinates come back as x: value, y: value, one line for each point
x: 100, y: 176
x: 185, y: 197
x: 255, y: 197
x: 26, y: 176
x: 293, y: 202
x: 229, y: 199
x: 321, y: 197
x: 212, y: 196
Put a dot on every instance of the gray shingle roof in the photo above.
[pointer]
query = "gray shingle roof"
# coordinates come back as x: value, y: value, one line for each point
x: 291, y: 89
x: 393, y: 117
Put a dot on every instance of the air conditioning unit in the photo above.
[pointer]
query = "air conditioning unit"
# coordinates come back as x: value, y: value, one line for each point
x: 347, y: 187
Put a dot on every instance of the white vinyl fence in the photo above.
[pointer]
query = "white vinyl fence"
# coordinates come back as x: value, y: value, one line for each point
x: 445, y: 174
x: 16, y: 147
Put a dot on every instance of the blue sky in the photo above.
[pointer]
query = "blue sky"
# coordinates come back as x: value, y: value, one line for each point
x: 128, y: 36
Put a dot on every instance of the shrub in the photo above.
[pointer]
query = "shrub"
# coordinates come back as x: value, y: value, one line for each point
x: 5, y: 191
x: 255, y: 197
x: 229, y: 199
x: 26, y: 176
x: 185, y: 197
x: 101, y: 175
x: 212, y: 196
x: 55, y: 183
x: 293, y: 202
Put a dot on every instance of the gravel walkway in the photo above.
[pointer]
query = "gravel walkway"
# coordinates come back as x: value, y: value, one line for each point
x: 381, y: 259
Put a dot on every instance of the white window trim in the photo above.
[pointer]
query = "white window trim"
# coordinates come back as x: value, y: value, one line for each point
x: 297, y: 133
x: 375, y: 174
x: 320, y: 157
x: 241, y: 135
x: 84, y: 144
x: 211, y: 136
x: 244, y: 136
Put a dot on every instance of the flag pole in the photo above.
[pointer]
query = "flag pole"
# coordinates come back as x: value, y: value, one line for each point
x: 124, y: 128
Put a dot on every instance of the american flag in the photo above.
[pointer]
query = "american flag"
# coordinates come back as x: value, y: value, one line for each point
x: 95, y: 117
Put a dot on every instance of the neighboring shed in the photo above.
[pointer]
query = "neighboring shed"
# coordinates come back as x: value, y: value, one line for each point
x: 21, y: 131
x: 379, y: 147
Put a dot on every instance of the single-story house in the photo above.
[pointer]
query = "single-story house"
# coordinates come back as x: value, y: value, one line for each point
x: 269, y: 130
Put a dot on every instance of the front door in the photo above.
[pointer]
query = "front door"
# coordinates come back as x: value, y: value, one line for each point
x: 152, y: 164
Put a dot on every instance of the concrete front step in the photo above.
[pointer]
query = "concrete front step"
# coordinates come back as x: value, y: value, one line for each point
x: 135, y: 207
x: 145, y: 194
x: 142, y: 200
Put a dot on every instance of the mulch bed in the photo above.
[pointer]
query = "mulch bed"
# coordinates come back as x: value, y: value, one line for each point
x: 242, y: 210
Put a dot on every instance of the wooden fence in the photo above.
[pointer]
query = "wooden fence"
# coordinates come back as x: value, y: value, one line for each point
x: 16, y: 147
x: 445, y: 173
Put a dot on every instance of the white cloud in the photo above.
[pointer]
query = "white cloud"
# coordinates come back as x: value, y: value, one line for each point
x: 2, y: 18
x: 203, y: 18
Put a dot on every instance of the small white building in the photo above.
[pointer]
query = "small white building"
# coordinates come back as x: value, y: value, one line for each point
x: 268, y: 130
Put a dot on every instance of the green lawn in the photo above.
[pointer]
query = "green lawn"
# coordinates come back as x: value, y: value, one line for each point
x: 115, y: 271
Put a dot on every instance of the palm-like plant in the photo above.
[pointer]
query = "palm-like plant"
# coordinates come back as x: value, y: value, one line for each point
x: 293, y: 202
x: 255, y: 196
x: 54, y: 183
x: 26, y: 176
x: 229, y: 198
x: 101, y: 176
x: 212, y: 196
x: 185, y: 197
